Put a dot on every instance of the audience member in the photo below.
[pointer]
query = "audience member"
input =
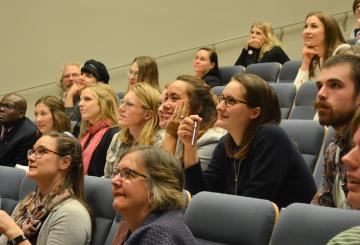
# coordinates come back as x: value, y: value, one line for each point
x: 256, y: 158
x: 17, y: 132
x: 190, y: 95
x: 92, y: 72
x: 69, y: 76
x: 162, y: 116
x: 337, y: 100
x: 99, y: 115
x: 322, y: 39
x: 139, y: 123
x: 356, y: 9
x: 352, y: 162
x: 262, y: 46
x: 206, y: 66
x: 148, y: 192
x: 144, y: 69
x: 50, y: 115
x: 55, y: 213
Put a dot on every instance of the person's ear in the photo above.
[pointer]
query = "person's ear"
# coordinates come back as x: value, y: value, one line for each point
x: 148, y: 115
x: 255, y: 112
x: 65, y: 163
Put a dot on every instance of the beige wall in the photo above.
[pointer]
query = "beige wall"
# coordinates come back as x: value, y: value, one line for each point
x: 38, y: 37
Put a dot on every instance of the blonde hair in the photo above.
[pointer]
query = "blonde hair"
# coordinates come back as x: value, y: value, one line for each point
x: 108, y: 103
x: 150, y: 99
x: 270, y: 38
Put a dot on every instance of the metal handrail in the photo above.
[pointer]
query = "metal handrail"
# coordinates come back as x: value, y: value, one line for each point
x: 213, y: 44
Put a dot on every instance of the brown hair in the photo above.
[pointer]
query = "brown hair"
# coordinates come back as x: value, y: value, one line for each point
x: 202, y: 101
x: 57, y: 109
x: 258, y: 93
x: 333, y: 37
x: 355, y: 3
x: 148, y: 70
x: 165, y: 177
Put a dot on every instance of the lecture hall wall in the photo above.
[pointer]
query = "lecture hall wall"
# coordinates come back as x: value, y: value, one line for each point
x: 39, y: 36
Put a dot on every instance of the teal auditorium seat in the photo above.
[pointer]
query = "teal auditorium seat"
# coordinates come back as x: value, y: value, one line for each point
x: 286, y: 94
x: 227, y: 72
x: 301, y: 224
x: 308, y: 135
x: 289, y: 70
x: 267, y: 71
x: 304, y: 102
x: 216, y: 218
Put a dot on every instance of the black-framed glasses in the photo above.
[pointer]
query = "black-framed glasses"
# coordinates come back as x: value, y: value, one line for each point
x: 127, y: 173
x: 230, y: 101
x: 40, y: 151
x: 8, y: 106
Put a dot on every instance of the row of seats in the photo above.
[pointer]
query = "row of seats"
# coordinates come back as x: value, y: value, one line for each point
x: 294, y: 104
x: 213, y: 218
x: 272, y: 72
x: 216, y: 218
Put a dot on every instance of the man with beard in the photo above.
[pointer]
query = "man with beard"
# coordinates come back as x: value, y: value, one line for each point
x: 336, y: 103
x: 17, y: 133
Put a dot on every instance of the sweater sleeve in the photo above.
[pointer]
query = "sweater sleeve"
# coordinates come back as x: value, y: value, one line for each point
x: 211, y: 179
x: 301, y: 77
x: 269, y: 165
x: 247, y: 56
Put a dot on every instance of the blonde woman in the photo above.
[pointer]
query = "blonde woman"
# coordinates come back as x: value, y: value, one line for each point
x: 139, y: 122
x: 99, y: 116
x: 262, y: 46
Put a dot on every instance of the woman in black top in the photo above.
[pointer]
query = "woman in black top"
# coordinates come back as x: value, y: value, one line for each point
x: 256, y: 158
x: 206, y: 66
x: 262, y: 46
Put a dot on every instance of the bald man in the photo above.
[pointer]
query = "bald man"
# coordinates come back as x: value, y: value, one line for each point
x: 17, y: 133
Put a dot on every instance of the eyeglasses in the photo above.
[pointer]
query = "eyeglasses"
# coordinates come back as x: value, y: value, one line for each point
x: 40, y: 151
x: 134, y: 73
x: 230, y: 101
x: 8, y: 106
x: 127, y: 173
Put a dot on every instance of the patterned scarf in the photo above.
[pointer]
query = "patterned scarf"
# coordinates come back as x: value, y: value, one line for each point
x: 91, y: 140
x: 122, y: 233
x: 33, y: 209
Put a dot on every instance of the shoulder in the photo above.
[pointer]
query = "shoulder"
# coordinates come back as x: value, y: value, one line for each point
x: 28, y: 125
x: 71, y: 206
x: 212, y: 135
x: 272, y: 132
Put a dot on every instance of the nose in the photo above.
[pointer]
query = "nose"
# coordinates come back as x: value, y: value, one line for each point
x: 321, y: 93
x: 221, y: 106
x: 116, y: 181
x: 350, y: 159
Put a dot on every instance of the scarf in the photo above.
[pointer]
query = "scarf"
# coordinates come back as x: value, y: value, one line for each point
x: 33, y: 210
x: 91, y: 140
x: 122, y: 233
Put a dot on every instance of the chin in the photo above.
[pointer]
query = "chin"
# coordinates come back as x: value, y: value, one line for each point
x: 354, y: 199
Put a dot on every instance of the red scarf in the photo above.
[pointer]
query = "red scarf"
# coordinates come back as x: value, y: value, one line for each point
x: 94, y: 135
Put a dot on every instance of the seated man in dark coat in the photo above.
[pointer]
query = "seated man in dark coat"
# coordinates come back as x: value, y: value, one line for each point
x: 17, y: 133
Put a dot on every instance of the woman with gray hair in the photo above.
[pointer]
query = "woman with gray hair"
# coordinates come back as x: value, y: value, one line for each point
x: 148, y: 191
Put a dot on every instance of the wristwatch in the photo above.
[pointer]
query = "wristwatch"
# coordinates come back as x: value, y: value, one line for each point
x: 17, y: 240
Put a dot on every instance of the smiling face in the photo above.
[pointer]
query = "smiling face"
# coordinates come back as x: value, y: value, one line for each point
x: 43, y: 118
x: 131, y: 195
x: 89, y: 106
x: 336, y: 101
x: 202, y: 63
x: 314, y: 32
x: 234, y: 118
x: 352, y: 162
x: 175, y: 95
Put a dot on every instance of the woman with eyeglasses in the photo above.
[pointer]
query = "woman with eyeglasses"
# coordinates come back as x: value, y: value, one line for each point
x: 99, y: 123
x: 144, y: 69
x: 50, y: 115
x: 47, y: 215
x: 256, y: 158
x: 190, y: 95
x: 139, y: 122
x: 148, y: 192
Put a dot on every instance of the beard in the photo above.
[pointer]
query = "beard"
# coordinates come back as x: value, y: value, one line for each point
x: 329, y: 117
